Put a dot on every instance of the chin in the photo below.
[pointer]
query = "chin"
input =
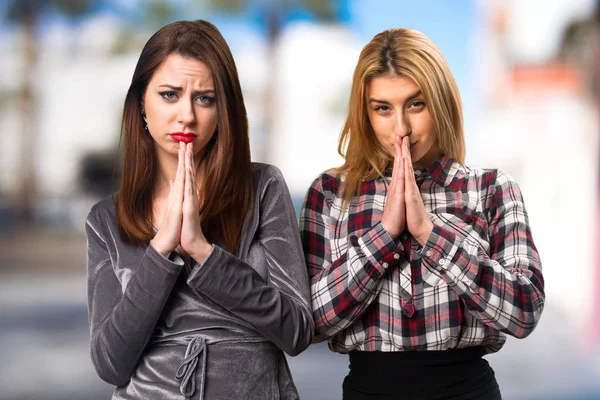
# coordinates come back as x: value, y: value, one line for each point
x: 169, y: 148
x: 417, y: 159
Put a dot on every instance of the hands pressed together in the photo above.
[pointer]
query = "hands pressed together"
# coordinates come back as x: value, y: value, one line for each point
x: 404, y: 208
x: 179, y: 224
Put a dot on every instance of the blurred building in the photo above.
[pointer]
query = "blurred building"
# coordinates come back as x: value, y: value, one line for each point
x: 539, y: 121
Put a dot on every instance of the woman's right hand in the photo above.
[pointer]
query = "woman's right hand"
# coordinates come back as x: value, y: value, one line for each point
x: 394, y: 212
x: 168, y: 236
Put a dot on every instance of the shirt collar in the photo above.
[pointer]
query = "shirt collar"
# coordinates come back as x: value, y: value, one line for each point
x: 442, y: 170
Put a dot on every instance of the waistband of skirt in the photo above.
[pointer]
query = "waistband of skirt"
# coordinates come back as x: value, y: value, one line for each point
x: 414, y: 358
x: 456, y: 374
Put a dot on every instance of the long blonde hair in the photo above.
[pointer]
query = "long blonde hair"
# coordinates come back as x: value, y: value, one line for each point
x: 398, y: 52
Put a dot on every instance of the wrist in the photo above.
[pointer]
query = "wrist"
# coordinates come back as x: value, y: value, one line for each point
x: 393, y: 233
x: 163, y: 250
x: 201, y: 251
x: 425, y: 233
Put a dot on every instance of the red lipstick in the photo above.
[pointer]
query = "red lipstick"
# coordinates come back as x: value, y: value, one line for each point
x: 185, y: 137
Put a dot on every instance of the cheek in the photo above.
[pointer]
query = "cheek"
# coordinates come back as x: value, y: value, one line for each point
x: 156, y: 113
x: 207, y: 119
x: 431, y: 135
x: 379, y: 125
x: 426, y: 124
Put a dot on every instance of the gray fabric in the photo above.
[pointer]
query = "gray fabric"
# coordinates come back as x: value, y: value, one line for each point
x: 220, y: 327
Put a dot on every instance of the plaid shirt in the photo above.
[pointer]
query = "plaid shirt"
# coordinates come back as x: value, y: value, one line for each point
x: 477, y: 278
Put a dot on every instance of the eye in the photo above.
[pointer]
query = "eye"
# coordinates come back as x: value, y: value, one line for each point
x: 205, y: 100
x: 417, y: 104
x: 382, y: 108
x: 168, y: 95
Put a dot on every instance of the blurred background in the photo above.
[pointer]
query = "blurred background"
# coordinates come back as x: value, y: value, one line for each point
x: 529, y: 74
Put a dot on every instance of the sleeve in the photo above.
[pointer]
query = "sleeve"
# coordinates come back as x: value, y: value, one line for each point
x: 279, y: 307
x: 505, y: 289
x: 121, y: 323
x: 343, y: 288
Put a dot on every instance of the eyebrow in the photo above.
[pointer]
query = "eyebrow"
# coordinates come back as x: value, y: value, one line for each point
x: 179, y: 89
x: 409, y: 98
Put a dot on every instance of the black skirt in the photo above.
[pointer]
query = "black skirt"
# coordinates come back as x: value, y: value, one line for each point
x: 420, y: 375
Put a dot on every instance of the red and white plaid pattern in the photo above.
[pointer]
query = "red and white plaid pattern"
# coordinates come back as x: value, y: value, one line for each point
x: 477, y: 278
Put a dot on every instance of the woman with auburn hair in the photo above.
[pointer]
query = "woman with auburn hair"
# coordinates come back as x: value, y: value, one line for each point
x: 418, y: 264
x: 196, y: 277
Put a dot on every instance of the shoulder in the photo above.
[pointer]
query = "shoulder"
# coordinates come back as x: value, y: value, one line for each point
x: 266, y: 175
x: 265, y: 172
x: 493, y: 178
x: 102, y: 213
x: 506, y: 189
x: 498, y: 187
x: 323, y: 191
x: 503, y: 178
x: 328, y: 182
x: 269, y: 183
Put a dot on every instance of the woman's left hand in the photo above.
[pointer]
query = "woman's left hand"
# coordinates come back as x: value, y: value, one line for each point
x: 417, y: 218
x: 193, y: 241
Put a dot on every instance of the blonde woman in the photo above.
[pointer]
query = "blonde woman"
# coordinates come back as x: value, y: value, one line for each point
x: 419, y: 265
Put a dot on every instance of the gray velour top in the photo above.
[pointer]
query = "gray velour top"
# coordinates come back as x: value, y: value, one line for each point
x: 173, y: 329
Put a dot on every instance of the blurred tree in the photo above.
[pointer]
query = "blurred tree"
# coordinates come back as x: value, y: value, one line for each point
x: 580, y: 46
x: 28, y: 14
x: 275, y: 14
x: 228, y: 6
x: 158, y: 13
x: 142, y: 23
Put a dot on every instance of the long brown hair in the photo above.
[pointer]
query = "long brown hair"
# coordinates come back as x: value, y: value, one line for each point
x: 398, y: 52
x: 228, y: 183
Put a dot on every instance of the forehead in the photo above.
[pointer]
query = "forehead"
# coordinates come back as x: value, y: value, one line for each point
x: 391, y: 88
x: 177, y: 70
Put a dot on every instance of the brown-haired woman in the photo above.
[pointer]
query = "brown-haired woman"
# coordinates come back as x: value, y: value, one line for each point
x: 196, y: 277
x: 419, y: 265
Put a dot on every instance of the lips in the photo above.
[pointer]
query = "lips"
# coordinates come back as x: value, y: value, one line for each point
x: 185, y: 137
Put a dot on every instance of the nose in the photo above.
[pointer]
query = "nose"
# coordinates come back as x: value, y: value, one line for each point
x: 401, y: 124
x: 187, y: 115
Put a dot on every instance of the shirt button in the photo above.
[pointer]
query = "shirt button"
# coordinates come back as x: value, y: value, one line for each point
x: 396, y: 256
x: 473, y: 288
x: 417, y: 172
x: 429, y: 253
x: 385, y: 265
x: 442, y: 261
